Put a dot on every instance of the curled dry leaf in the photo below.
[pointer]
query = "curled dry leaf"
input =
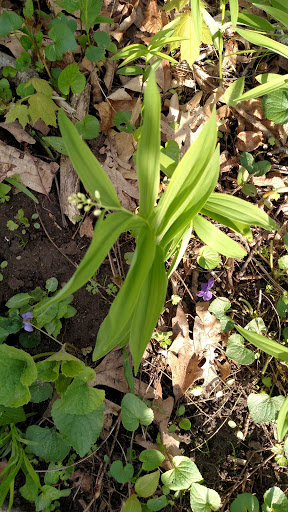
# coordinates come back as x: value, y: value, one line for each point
x: 18, y: 132
x: 86, y: 228
x: 110, y: 373
x: 249, y: 140
x: 81, y: 480
x: 154, y: 19
x: 33, y: 172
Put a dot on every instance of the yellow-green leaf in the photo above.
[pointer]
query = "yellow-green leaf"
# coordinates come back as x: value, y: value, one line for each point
x: 17, y: 111
x: 190, y: 46
x: 213, y: 237
x: 42, y: 107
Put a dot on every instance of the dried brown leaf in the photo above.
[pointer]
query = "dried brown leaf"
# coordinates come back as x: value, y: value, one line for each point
x: 86, y: 228
x: 33, y: 172
x: 249, y: 140
x: 18, y: 132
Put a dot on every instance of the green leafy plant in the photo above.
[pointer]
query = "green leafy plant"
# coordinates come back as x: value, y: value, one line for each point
x: 3, y: 265
x: 249, y: 168
x: 162, y: 232
x: 22, y: 303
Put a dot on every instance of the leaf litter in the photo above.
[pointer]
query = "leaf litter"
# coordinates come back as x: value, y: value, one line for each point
x: 194, y: 358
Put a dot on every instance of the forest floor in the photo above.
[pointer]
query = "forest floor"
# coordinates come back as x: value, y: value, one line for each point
x: 233, y: 453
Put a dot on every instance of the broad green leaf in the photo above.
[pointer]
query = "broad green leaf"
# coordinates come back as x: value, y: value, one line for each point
x: 88, y: 128
x: 254, y: 21
x: 265, y: 88
x: 149, y: 306
x: 28, y: 9
x: 245, y: 502
x: 71, y: 366
x: 256, y: 325
x: 87, y: 166
x: 260, y: 40
x: 132, y: 504
x: 29, y: 490
x: 48, y: 495
x: 282, y: 420
x: 270, y: 347
x: 275, y: 106
x: 283, y: 262
x: 134, y: 411
x: 218, y: 308
x: 282, y: 306
x: 151, y: 459
x: 216, y: 239
x: 69, y: 5
x: 105, y: 234
x: 71, y: 78
x: 56, y: 143
x: 234, y: 91
x: 146, y: 485
x: 11, y: 415
x: 192, y: 181
x: 48, y: 371
x: 8, y: 326
x: 42, y: 107
x: 203, y: 499
x: 122, y: 474
x: 238, y: 210
x: 189, y: 31
x: 263, y: 408
x: 40, y: 391
x: 116, y: 325
x: 148, y: 151
x: 47, y: 444
x: 122, y: 121
x: 18, y: 371
x: 275, y: 500
x: 234, y: 10
x: 9, y: 21
x: 156, y: 504
x: 184, y: 474
x: 237, y: 351
x: 78, y: 426
x: 208, y: 258
x: 278, y: 14
x: 18, y: 301
x: 64, y: 41
x: 90, y: 10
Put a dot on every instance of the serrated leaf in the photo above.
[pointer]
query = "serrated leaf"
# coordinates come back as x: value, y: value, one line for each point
x: 17, y: 111
x: 245, y: 502
x: 50, y: 445
x: 64, y: 41
x: 48, y: 371
x: 9, y: 21
x: 18, y: 371
x: 39, y: 85
x: 134, y: 411
x: 23, y: 62
x: 81, y: 431
x: 237, y: 351
x: 42, y: 107
x: 146, y: 485
x: 11, y: 415
x: 275, y: 500
x: 203, y: 499
x: 189, y: 48
x: 70, y: 366
x: 264, y: 408
x: 122, y: 474
x: 184, y: 474
x: 275, y: 106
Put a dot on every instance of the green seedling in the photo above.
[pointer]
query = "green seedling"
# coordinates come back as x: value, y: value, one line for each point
x: 163, y: 338
x: 22, y: 222
x: 3, y: 265
x: 4, y: 193
x: 250, y: 168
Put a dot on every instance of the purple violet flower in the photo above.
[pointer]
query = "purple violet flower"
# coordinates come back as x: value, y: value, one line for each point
x: 205, y: 289
x: 27, y: 326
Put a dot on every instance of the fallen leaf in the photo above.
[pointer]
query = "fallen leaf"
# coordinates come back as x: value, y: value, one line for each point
x: 249, y: 140
x: 184, y: 364
x: 227, y: 162
x: 81, y: 479
x: 33, y: 172
x: 154, y: 19
x: 110, y: 373
x: 18, y: 132
x: 86, y: 228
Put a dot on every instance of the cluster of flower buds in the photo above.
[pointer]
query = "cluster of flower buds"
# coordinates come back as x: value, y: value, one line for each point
x: 85, y: 202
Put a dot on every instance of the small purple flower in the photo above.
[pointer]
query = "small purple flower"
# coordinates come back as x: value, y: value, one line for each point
x: 205, y: 289
x: 27, y: 326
